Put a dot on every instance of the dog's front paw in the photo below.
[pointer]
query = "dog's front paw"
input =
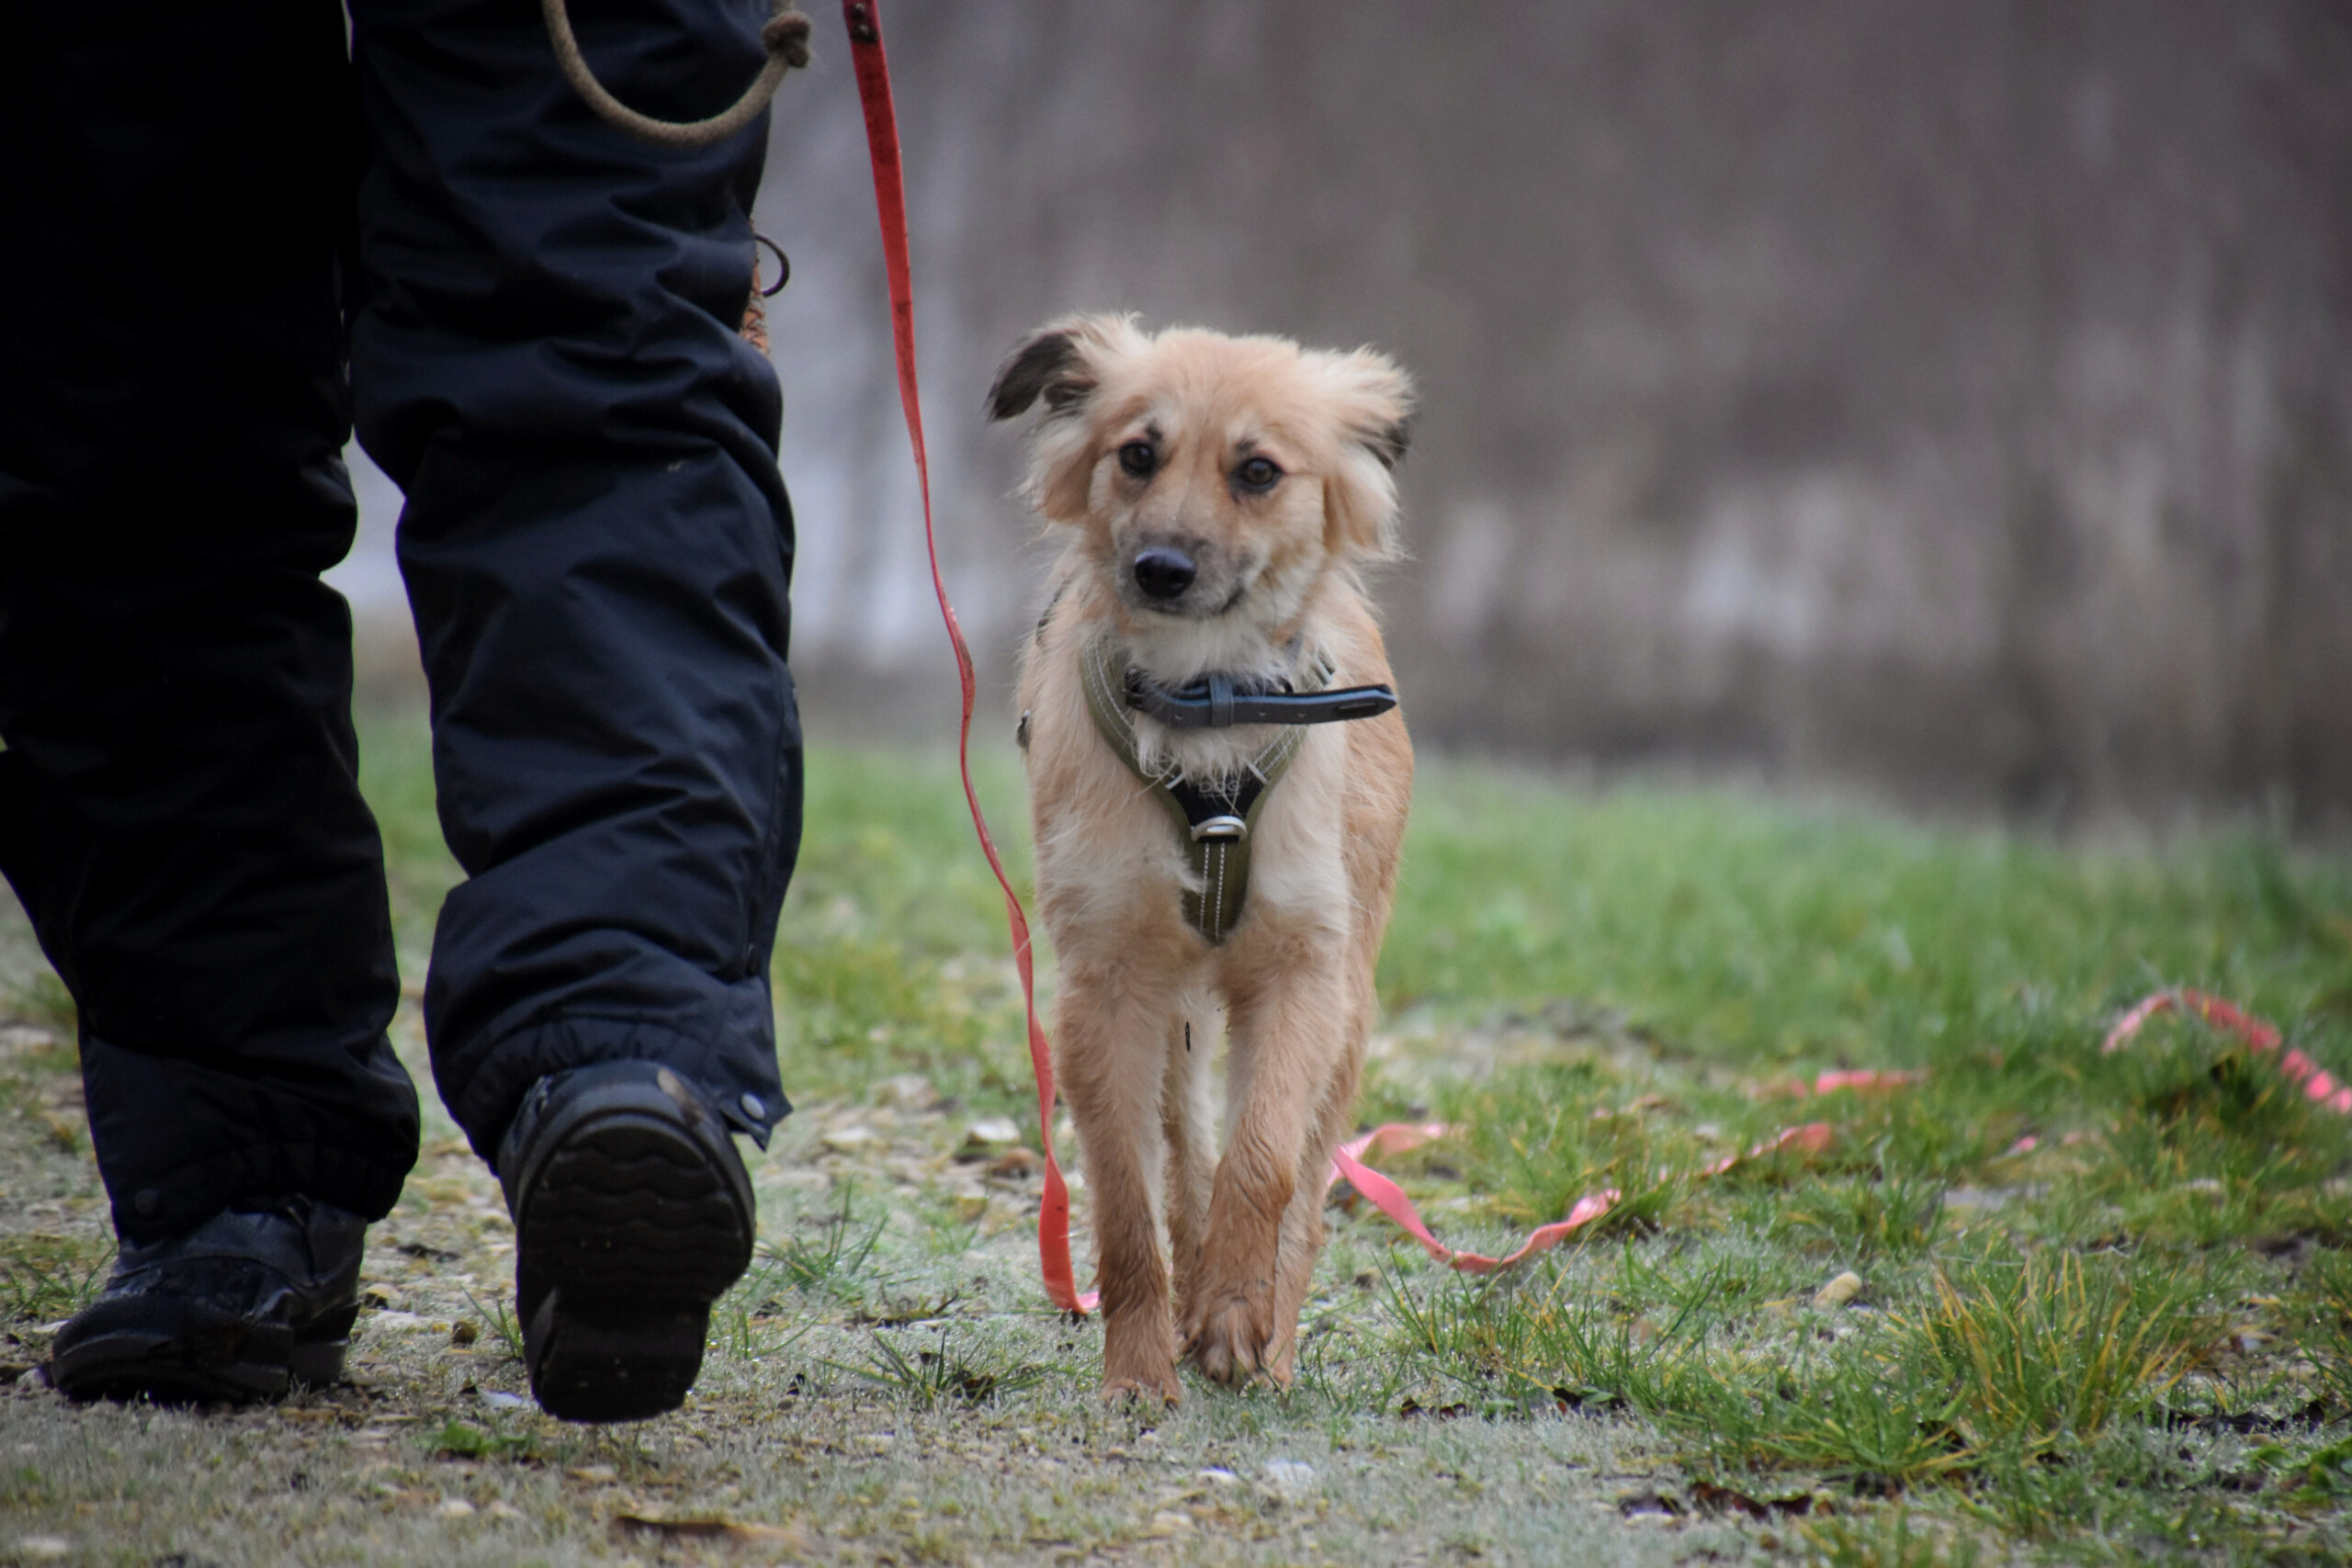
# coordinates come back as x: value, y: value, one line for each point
x: 1162, y: 1392
x: 1139, y: 1359
x: 1228, y: 1341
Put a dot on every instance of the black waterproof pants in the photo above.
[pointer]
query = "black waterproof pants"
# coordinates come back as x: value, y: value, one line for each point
x: 208, y: 204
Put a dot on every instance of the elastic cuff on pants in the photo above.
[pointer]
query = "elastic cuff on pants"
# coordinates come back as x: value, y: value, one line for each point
x: 178, y: 1141
x: 181, y: 1200
x: 741, y: 1082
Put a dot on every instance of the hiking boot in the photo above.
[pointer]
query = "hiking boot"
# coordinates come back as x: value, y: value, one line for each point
x: 249, y: 1302
x: 632, y: 1214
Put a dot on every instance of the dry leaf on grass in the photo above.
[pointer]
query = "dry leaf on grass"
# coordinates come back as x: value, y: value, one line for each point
x: 1838, y: 1292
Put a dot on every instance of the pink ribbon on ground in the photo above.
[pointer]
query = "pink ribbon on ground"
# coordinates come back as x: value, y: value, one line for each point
x: 1810, y: 1138
x: 1831, y: 1082
x: 2260, y: 1037
x: 2031, y: 1142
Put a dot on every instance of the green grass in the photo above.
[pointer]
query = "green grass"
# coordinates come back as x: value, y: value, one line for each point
x: 2018, y: 1358
x: 1610, y: 989
x: 46, y: 1278
x: 944, y: 1372
x: 2130, y: 1341
x: 1745, y: 930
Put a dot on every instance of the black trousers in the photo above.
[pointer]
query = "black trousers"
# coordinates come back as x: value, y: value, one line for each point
x: 211, y: 208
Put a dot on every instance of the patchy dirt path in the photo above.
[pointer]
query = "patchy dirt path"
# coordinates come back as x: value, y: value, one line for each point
x: 885, y: 1387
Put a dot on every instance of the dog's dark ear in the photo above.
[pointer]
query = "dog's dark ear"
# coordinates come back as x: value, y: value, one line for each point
x: 1388, y: 442
x: 1050, y: 366
x: 1061, y: 365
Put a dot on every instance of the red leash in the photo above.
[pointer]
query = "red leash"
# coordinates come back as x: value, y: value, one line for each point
x: 2318, y: 1086
x: 890, y: 201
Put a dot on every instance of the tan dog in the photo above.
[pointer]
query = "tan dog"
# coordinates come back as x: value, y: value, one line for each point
x: 1222, y: 492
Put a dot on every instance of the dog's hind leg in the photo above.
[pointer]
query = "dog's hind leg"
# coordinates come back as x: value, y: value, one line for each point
x: 1111, y: 1053
x: 1188, y: 1120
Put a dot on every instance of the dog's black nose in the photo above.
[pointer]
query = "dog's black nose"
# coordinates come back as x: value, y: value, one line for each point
x: 1164, y: 574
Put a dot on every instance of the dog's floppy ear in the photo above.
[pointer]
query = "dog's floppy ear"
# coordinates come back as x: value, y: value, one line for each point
x: 1061, y: 361
x: 1372, y: 402
x: 1388, y: 442
x: 1061, y: 365
x: 1049, y: 364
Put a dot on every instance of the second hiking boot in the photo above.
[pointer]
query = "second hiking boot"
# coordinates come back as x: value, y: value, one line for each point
x: 246, y: 1305
x: 632, y: 1215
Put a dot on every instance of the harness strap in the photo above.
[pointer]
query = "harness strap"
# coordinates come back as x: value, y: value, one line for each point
x: 1214, y: 822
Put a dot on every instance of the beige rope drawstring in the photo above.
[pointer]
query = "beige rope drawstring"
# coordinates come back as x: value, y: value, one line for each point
x: 785, y: 37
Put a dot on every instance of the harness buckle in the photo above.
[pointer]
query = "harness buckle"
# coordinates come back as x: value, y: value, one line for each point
x: 1220, y: 827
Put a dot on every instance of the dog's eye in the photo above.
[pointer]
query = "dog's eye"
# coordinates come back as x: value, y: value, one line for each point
x: 1138, y: 458
x: 1258, y: 473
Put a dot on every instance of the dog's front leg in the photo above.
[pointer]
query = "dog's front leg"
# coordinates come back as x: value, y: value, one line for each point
x: 1287, y: 1029
x: 1302, y: 1232
x: 1113, y: 1045
x: 1188, y: 1120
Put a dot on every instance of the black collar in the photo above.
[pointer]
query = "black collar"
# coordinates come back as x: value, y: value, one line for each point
x: 1214, y: 702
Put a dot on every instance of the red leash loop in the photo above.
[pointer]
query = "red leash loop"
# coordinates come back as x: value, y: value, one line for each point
x: 2319, y: 1085
x: 1347, y: 1163
x: 890, y: 201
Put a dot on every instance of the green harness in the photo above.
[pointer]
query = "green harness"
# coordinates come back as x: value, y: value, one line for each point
x: 1213, y: 824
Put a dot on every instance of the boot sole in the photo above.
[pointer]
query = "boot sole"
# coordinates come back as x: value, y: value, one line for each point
x: 630, y: 1229
x: 218, y: 1363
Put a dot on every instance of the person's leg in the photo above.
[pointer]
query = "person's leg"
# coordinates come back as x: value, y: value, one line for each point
x: 179, y: 806
x: 597, y: 547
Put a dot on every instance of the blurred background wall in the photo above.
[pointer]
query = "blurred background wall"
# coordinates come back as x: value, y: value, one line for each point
x: 1951, y: 398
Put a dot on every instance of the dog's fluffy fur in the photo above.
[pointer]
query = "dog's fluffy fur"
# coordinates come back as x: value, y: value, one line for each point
x: 1140, y: 990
